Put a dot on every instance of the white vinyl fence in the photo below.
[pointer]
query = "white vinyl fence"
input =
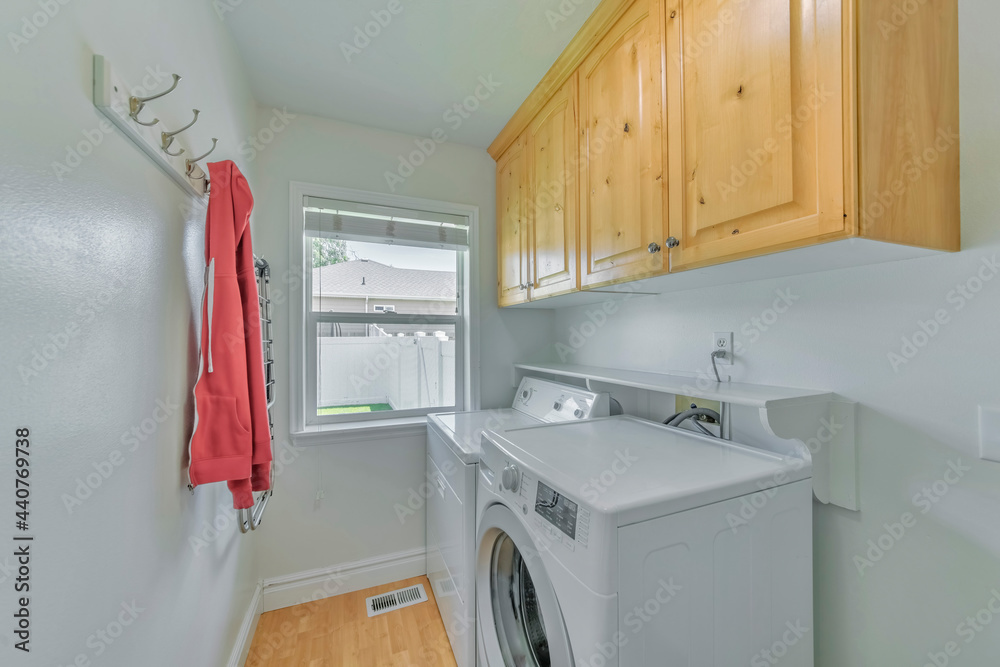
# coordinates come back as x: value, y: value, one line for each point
x: 407, y: 372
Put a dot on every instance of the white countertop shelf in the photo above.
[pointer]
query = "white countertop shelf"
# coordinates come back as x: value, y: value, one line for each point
x: 737, y: 393
x: 821, y: 424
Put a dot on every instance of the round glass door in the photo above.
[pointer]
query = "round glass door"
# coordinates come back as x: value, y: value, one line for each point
x: 516, y: 610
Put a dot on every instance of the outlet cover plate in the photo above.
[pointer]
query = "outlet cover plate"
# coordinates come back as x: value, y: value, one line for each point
x: 723, y: 340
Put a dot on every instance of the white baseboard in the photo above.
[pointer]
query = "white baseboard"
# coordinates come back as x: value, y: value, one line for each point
x: 241, y: 649
x: 293, y: 589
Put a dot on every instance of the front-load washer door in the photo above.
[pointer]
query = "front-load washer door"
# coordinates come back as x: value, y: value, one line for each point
x: 520, y: 621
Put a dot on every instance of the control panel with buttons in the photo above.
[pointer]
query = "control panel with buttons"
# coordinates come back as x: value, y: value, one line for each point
x: 555, y: 402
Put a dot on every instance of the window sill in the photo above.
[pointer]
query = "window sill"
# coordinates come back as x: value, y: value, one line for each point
x: 378, y: 429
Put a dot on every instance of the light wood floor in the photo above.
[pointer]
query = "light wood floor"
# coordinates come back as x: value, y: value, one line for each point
x: 336, y: 632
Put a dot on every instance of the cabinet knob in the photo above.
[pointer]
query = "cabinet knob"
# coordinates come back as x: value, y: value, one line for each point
x: 653, y: 248
x: 672, y: 242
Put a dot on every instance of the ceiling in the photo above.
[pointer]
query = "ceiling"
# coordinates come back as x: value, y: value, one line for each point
x: 306, y: 55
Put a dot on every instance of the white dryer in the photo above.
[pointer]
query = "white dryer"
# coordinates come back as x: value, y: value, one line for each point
x: 453, y: 442
x: 622, y: 542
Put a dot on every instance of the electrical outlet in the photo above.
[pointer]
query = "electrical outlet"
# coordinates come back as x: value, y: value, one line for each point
x: 723, y: 341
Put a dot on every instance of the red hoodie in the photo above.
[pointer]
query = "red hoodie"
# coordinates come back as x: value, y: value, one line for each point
x: 231, y: 441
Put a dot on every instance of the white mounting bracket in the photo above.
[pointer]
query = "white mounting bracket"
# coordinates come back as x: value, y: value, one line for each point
x: 111, y: 97
x: 826, y: 431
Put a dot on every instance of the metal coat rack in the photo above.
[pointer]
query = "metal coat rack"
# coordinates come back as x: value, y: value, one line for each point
x: 128, y: 108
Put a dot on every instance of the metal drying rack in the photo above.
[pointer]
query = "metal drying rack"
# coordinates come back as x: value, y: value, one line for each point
x: 249, y: 519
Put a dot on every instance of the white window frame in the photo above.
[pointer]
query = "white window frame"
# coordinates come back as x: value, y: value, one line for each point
x: 307, y: 429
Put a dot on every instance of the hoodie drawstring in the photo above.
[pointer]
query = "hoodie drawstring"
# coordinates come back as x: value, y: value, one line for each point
x: 210, y: 287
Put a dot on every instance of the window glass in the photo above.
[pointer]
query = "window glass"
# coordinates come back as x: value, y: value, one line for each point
x: 358, y: 277
x: 378, y: 368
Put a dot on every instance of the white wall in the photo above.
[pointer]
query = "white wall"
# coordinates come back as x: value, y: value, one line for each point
x: 837, y: 336
x: 364, y: 481
x: 111, y: 253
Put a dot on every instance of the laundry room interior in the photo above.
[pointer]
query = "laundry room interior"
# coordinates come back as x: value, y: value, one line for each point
x: 564, y: 333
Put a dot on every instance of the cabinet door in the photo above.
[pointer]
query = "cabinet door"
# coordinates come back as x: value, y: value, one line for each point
x: 621, y: 151
x: 553, y: 206
x: 755, y: 126
x: 512, y: 226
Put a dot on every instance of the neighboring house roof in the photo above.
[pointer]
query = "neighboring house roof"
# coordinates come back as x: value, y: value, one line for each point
x: 360, y: 278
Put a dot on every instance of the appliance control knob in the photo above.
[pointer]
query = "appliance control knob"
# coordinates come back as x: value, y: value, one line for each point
x: 578, y: 413
x: 511, y: 477
x: 557, y: 406
x: 524, y: 394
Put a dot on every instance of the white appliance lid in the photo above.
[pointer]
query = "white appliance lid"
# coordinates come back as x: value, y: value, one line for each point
x: 639, y: 470
x: 464, y: 430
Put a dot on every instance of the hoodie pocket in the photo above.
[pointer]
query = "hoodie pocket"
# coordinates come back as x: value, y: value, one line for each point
x: 222, y: 428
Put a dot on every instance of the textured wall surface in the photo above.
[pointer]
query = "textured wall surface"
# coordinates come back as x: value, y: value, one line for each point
x: 102, y: 275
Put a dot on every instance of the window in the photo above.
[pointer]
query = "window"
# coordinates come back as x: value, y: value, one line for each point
x: 384, y: 322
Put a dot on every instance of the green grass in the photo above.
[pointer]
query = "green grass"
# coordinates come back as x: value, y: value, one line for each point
x: 352, y: 409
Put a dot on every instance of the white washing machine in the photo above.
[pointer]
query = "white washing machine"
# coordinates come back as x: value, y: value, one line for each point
x: 622, y: 542
x: 453, y: 443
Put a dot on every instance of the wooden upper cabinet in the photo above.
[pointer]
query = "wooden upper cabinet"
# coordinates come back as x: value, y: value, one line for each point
x: 678, y: 134
x: 756, y: 127
x: 622, y: 174
x: 512, y: 225
x: 553, y: 217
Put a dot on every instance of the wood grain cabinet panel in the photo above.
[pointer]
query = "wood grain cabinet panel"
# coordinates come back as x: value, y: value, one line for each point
x: 553, y: 195
x: 512, y: 225
x: 622, y: 171
x: 909, y: 123
x: 755, y: 126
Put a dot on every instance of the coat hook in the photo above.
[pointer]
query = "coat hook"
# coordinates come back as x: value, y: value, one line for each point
x: 136, y: 104
x: 167, y: 138
x: 189, y: 163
